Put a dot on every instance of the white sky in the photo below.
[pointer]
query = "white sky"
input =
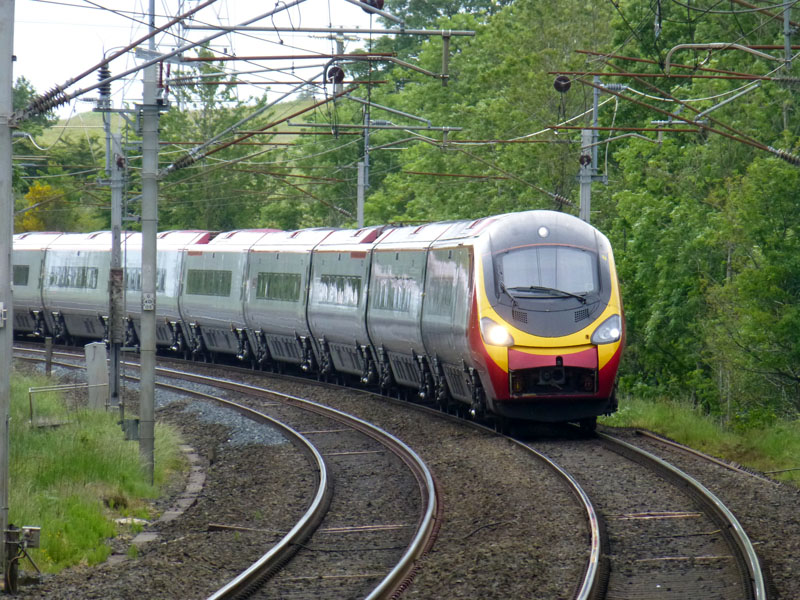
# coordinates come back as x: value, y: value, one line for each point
x: 56, y: 41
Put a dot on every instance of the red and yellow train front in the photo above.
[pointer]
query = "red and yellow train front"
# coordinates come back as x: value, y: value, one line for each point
x: 547, y: 327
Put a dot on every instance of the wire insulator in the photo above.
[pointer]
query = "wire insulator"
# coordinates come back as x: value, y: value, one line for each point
x: 792, y: 159
x: 102, y: 74
x: 183, y: 162
x: 563, y: 200
x: 41, y: 104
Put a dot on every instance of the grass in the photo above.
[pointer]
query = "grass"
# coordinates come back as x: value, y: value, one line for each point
x: 774, y: 447
x: 73, y: 479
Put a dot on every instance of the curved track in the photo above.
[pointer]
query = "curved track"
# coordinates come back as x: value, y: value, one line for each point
x: 669, y: 536
x: 675, y: 540
x: 399, y: 575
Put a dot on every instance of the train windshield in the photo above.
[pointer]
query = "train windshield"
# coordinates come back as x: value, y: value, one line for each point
x: 548, y: 270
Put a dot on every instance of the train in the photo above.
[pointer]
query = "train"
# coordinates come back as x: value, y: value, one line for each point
x: 516, y: 316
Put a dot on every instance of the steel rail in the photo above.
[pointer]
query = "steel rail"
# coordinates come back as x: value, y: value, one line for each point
x: 730, y: 466
x: 595, y: 575
x: 269, y: 563
x: 741, y: 544
x: 428, y: 523
x: 399, y: 577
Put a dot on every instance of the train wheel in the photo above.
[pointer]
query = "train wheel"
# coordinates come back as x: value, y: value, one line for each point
x: 588, y: 425
x: 502, y: 425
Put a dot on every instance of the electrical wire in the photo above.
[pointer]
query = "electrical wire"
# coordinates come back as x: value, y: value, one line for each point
x: 705, y: 11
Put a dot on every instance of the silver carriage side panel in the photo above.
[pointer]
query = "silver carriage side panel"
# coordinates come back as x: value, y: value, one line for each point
x: 75, y: 286
x: 338, y: 300
x: 445, y: 315
x: 276, y: 295
x: 449, y: 301
x: 169, y: 260
x: 27, y: 267
x: 394, y: 314
x: 211, y: 301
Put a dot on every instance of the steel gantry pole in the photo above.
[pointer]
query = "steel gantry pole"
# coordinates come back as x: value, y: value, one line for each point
x: 6, y: 241
x: 147, y: 349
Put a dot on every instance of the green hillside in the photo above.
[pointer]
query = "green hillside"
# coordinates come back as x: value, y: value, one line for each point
x: 90, y: 123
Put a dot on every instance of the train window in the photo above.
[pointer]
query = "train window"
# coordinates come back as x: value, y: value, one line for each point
x: 133, y: 279
x: 21, y: 274
x: 278, y: 286
x: 73, y: 277
x: 439, y: 295
x: 208, y: 283
x: 560, y: 267
x: 344, y: 290
x: 393, y: 293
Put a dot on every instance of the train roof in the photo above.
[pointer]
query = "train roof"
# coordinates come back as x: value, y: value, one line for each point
x: 175, y: 239
x: 35, y: 240
x: 96, y: 241
x: 231, y: 241
x: 298, y: 240
x: 349, y: 239
x: 542, y: 226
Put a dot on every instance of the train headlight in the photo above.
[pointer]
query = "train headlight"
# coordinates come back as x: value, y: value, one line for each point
x: 495, y: 334
x: 609, y: 332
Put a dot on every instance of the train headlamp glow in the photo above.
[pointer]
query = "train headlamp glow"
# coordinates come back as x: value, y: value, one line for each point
x: 609, y: 331
x: 543, y: 231
x: 494, y: 334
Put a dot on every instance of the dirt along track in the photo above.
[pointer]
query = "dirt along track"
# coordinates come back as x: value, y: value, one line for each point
x: 662, y: 545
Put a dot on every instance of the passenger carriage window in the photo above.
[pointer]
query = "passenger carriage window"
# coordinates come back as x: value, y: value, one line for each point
x: 278, y: 286
x: 21, y: 274
x: 344, y: 290
x: 393, y: 293
x: 73, y: 277
x: 208, y: 283
x: 439, y: 295
x: 133, y: 279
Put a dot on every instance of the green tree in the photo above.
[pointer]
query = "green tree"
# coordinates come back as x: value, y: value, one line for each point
x: 227, y: 189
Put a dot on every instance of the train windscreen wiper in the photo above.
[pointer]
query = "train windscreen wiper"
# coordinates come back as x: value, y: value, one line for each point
x: 549, y: 290
x: 504, y: 289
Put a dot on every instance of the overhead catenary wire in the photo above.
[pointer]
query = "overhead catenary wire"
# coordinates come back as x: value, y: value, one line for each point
x: 199, y: 152
x: 58, y: 96
x: 736, y: 136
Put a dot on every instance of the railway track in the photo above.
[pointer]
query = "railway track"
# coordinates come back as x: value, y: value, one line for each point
x: 668, y: 535
x: 500, y: 503
x: 696, y: 556
x: 330, y: 514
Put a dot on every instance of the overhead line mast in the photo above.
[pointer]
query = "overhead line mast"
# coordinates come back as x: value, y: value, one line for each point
x: 6, y: 272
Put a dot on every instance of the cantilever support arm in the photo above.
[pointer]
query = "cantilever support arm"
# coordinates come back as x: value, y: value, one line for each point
x: 715, y: 46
